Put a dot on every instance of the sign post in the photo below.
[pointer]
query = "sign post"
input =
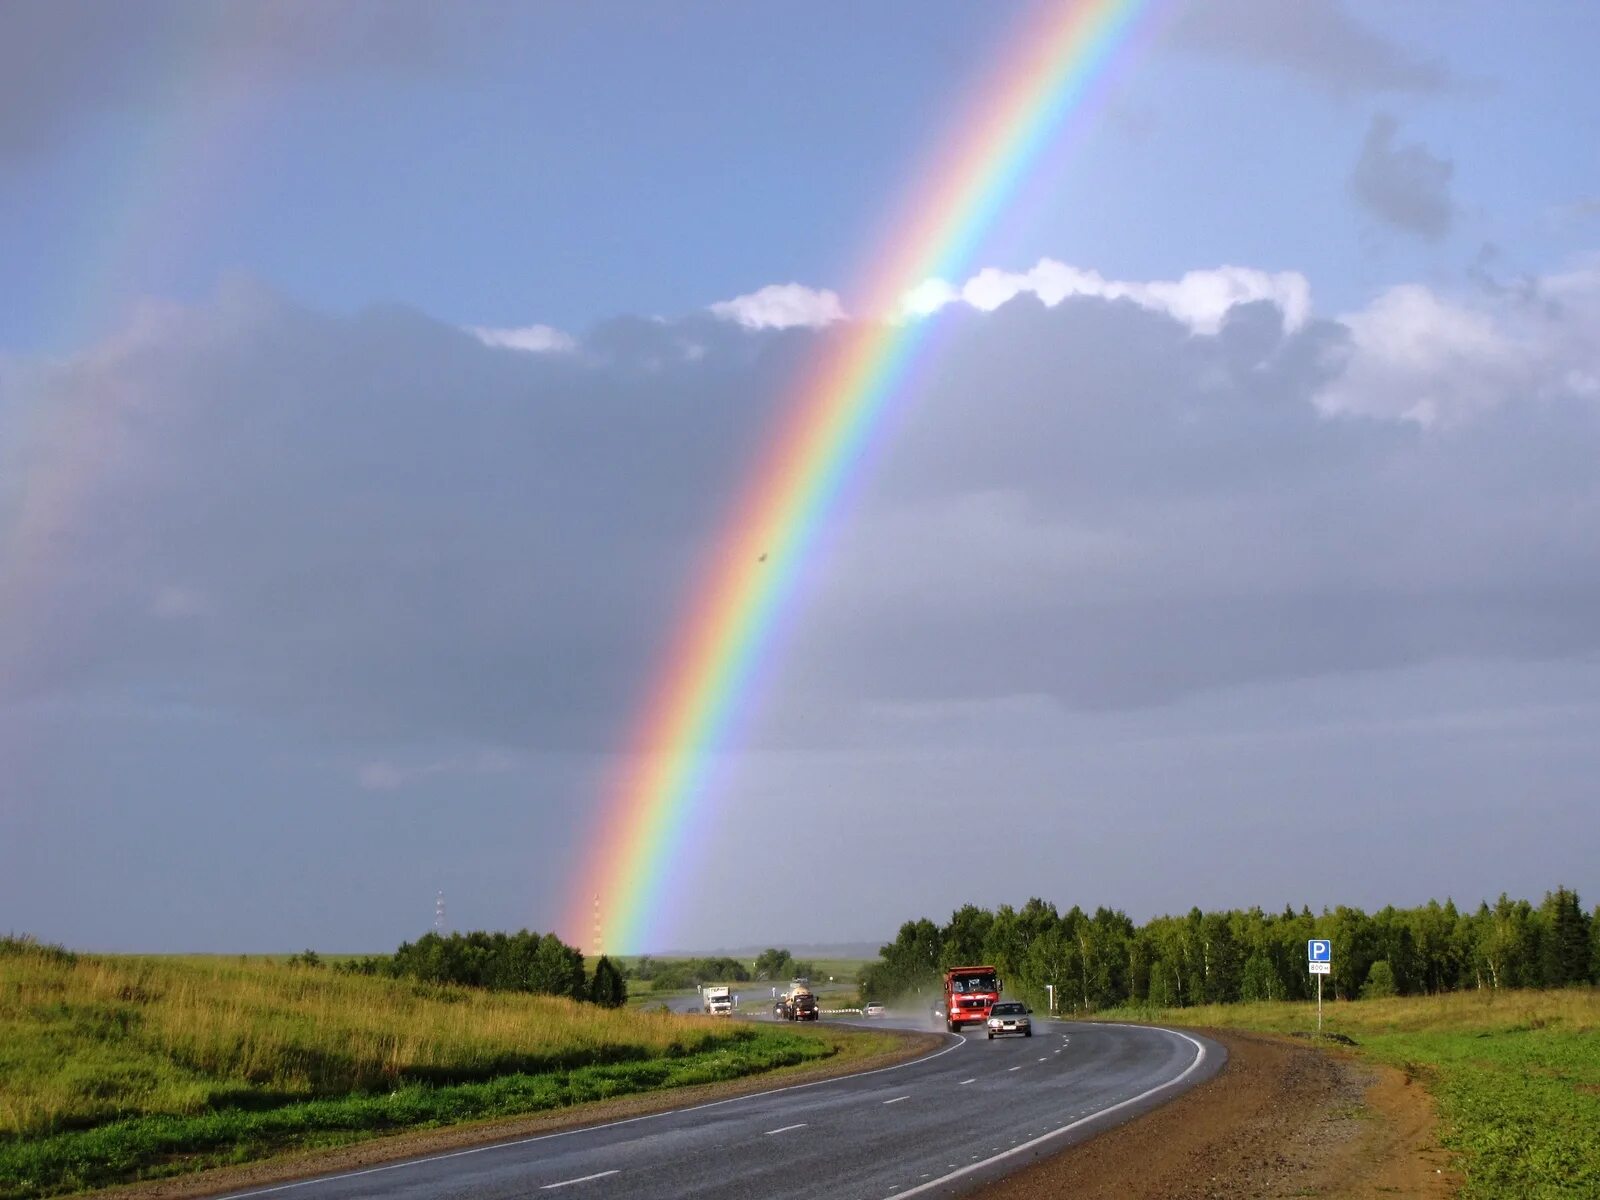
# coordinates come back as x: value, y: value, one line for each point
x: 1319, y: 954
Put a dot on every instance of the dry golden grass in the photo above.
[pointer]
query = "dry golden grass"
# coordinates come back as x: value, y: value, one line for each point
x: 98, y: 1037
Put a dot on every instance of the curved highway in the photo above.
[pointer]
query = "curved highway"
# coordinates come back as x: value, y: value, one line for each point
x: 937, y: 1126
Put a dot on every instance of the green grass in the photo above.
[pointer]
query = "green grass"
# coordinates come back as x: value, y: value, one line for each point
x: 156, y: 1146
x: 116, y: 1068
x: 1516, y: 1075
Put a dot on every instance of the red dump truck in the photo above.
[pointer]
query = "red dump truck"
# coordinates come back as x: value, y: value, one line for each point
x: 969, y: 993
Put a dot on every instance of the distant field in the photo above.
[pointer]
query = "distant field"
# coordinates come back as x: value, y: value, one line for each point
x: 115, y: 1068
x: 1516, y: 1074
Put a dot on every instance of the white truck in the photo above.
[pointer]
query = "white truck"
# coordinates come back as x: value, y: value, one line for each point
x: 717, y: 999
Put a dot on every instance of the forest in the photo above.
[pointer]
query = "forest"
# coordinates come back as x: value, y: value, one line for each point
x: 1101, y: 960
x: 514, y: 962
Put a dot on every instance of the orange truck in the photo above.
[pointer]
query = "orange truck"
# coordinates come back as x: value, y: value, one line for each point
x: 969, y: 993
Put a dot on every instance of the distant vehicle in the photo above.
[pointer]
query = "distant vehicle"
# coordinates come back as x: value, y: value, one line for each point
x: 968, y: 993
x: 798, y: 1003
x: 875, y: 1009
x: 1007, y: 1017
x: 717, y: 999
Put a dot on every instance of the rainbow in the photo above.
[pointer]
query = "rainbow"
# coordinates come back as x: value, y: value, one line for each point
x: 823, y: 432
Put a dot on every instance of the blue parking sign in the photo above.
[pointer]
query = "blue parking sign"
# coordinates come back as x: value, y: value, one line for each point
x: 1319, y: 950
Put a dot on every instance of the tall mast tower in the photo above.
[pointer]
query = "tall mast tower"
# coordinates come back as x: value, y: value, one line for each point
x: 597, y: 942
x: 438, y: 915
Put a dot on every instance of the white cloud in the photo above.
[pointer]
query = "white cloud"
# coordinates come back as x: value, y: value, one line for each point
x: 782, y: 306
x: 1415, y: 355
x: 1201, y: 299
x: 535, y: 339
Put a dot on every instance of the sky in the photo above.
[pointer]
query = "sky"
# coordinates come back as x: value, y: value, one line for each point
x: 374, y: 379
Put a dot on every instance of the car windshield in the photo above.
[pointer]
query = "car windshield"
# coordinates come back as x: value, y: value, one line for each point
x: 974, y: 983
x: 1006, y: 1010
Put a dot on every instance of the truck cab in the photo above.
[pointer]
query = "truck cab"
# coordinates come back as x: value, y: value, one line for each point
x: 969, y: 994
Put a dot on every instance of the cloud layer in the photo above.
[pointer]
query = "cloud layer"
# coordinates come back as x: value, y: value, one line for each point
x: 1144, y: 557
x: 1108, y: 493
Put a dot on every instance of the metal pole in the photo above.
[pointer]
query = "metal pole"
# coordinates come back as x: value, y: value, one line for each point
x: 1319, y: 1005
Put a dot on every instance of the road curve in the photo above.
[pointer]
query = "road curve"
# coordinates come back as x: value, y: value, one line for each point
x: 937, y: 1126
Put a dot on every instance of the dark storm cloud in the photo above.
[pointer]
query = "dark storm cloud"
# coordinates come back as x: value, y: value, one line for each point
x: 1405, y: 186
x: 381, y: 530
x: 1091, y: 504
x: 1320, y: 41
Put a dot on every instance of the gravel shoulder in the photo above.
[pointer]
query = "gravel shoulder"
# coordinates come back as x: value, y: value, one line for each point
x: 1281, y: 1119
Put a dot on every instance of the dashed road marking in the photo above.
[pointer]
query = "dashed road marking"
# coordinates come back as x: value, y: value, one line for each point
x: 549, y: 1187
x: 1200, y: 1056
x: 785, y: 1129
x: 964, y: 1082
x: 495, y: 1147
x: 897, y: 1099
x: 1018, y: 1067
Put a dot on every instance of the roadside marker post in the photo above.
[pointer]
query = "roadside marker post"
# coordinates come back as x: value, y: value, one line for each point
x: 1319, y: 955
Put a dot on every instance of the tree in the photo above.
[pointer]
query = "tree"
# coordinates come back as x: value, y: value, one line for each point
x: 1564, y: 940
x: 1222, y: 967
x: 1379, y: 982
x: 965, y: 937
x: 607, y: 987
x: 1259, y: 981
x: 773, y: 963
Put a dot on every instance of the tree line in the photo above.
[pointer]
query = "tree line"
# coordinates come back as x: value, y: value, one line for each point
x: 514, y: 962
x: 680, y: 973
x: 1104, y: 960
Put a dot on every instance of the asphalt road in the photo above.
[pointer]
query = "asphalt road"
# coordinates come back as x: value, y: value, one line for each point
x: 941, y: 1125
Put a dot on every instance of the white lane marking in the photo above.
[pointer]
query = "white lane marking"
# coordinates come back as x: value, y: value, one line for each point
x: 785, y: 1129
x: 964, y: 1082
x: 1041, y: 1060
x: 1018, y: 1067
x: 581, y: 1179
x: 897, y: 1099
x: 956, y: 1044
x: 1199, y: 1057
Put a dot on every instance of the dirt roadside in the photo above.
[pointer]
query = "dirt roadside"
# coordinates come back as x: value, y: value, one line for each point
x: 1282, y: 1119
x: 376, y: 1152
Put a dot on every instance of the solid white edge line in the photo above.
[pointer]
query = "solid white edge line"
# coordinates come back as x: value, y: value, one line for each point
x: 784, y: 1129
x: 1199, y: 1057
x: 550, y: 1187
x: 543, y: 1137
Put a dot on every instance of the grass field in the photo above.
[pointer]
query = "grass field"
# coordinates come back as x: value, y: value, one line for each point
x: 115, y: 1068
x: 1516, y: 1075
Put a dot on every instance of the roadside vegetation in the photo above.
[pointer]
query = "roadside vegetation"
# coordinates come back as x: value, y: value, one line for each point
x: 1103, y: 960
x: 1516, y: 1074
x: 116, y: 1068
x: 1494, y: 1009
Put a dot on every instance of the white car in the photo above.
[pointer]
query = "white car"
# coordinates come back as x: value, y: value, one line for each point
x: 1009, y: 1016
x: 875, y: 1010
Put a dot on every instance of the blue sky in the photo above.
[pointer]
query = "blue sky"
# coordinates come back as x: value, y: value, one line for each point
x: 1246, y: 504
x: 562, y: 165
